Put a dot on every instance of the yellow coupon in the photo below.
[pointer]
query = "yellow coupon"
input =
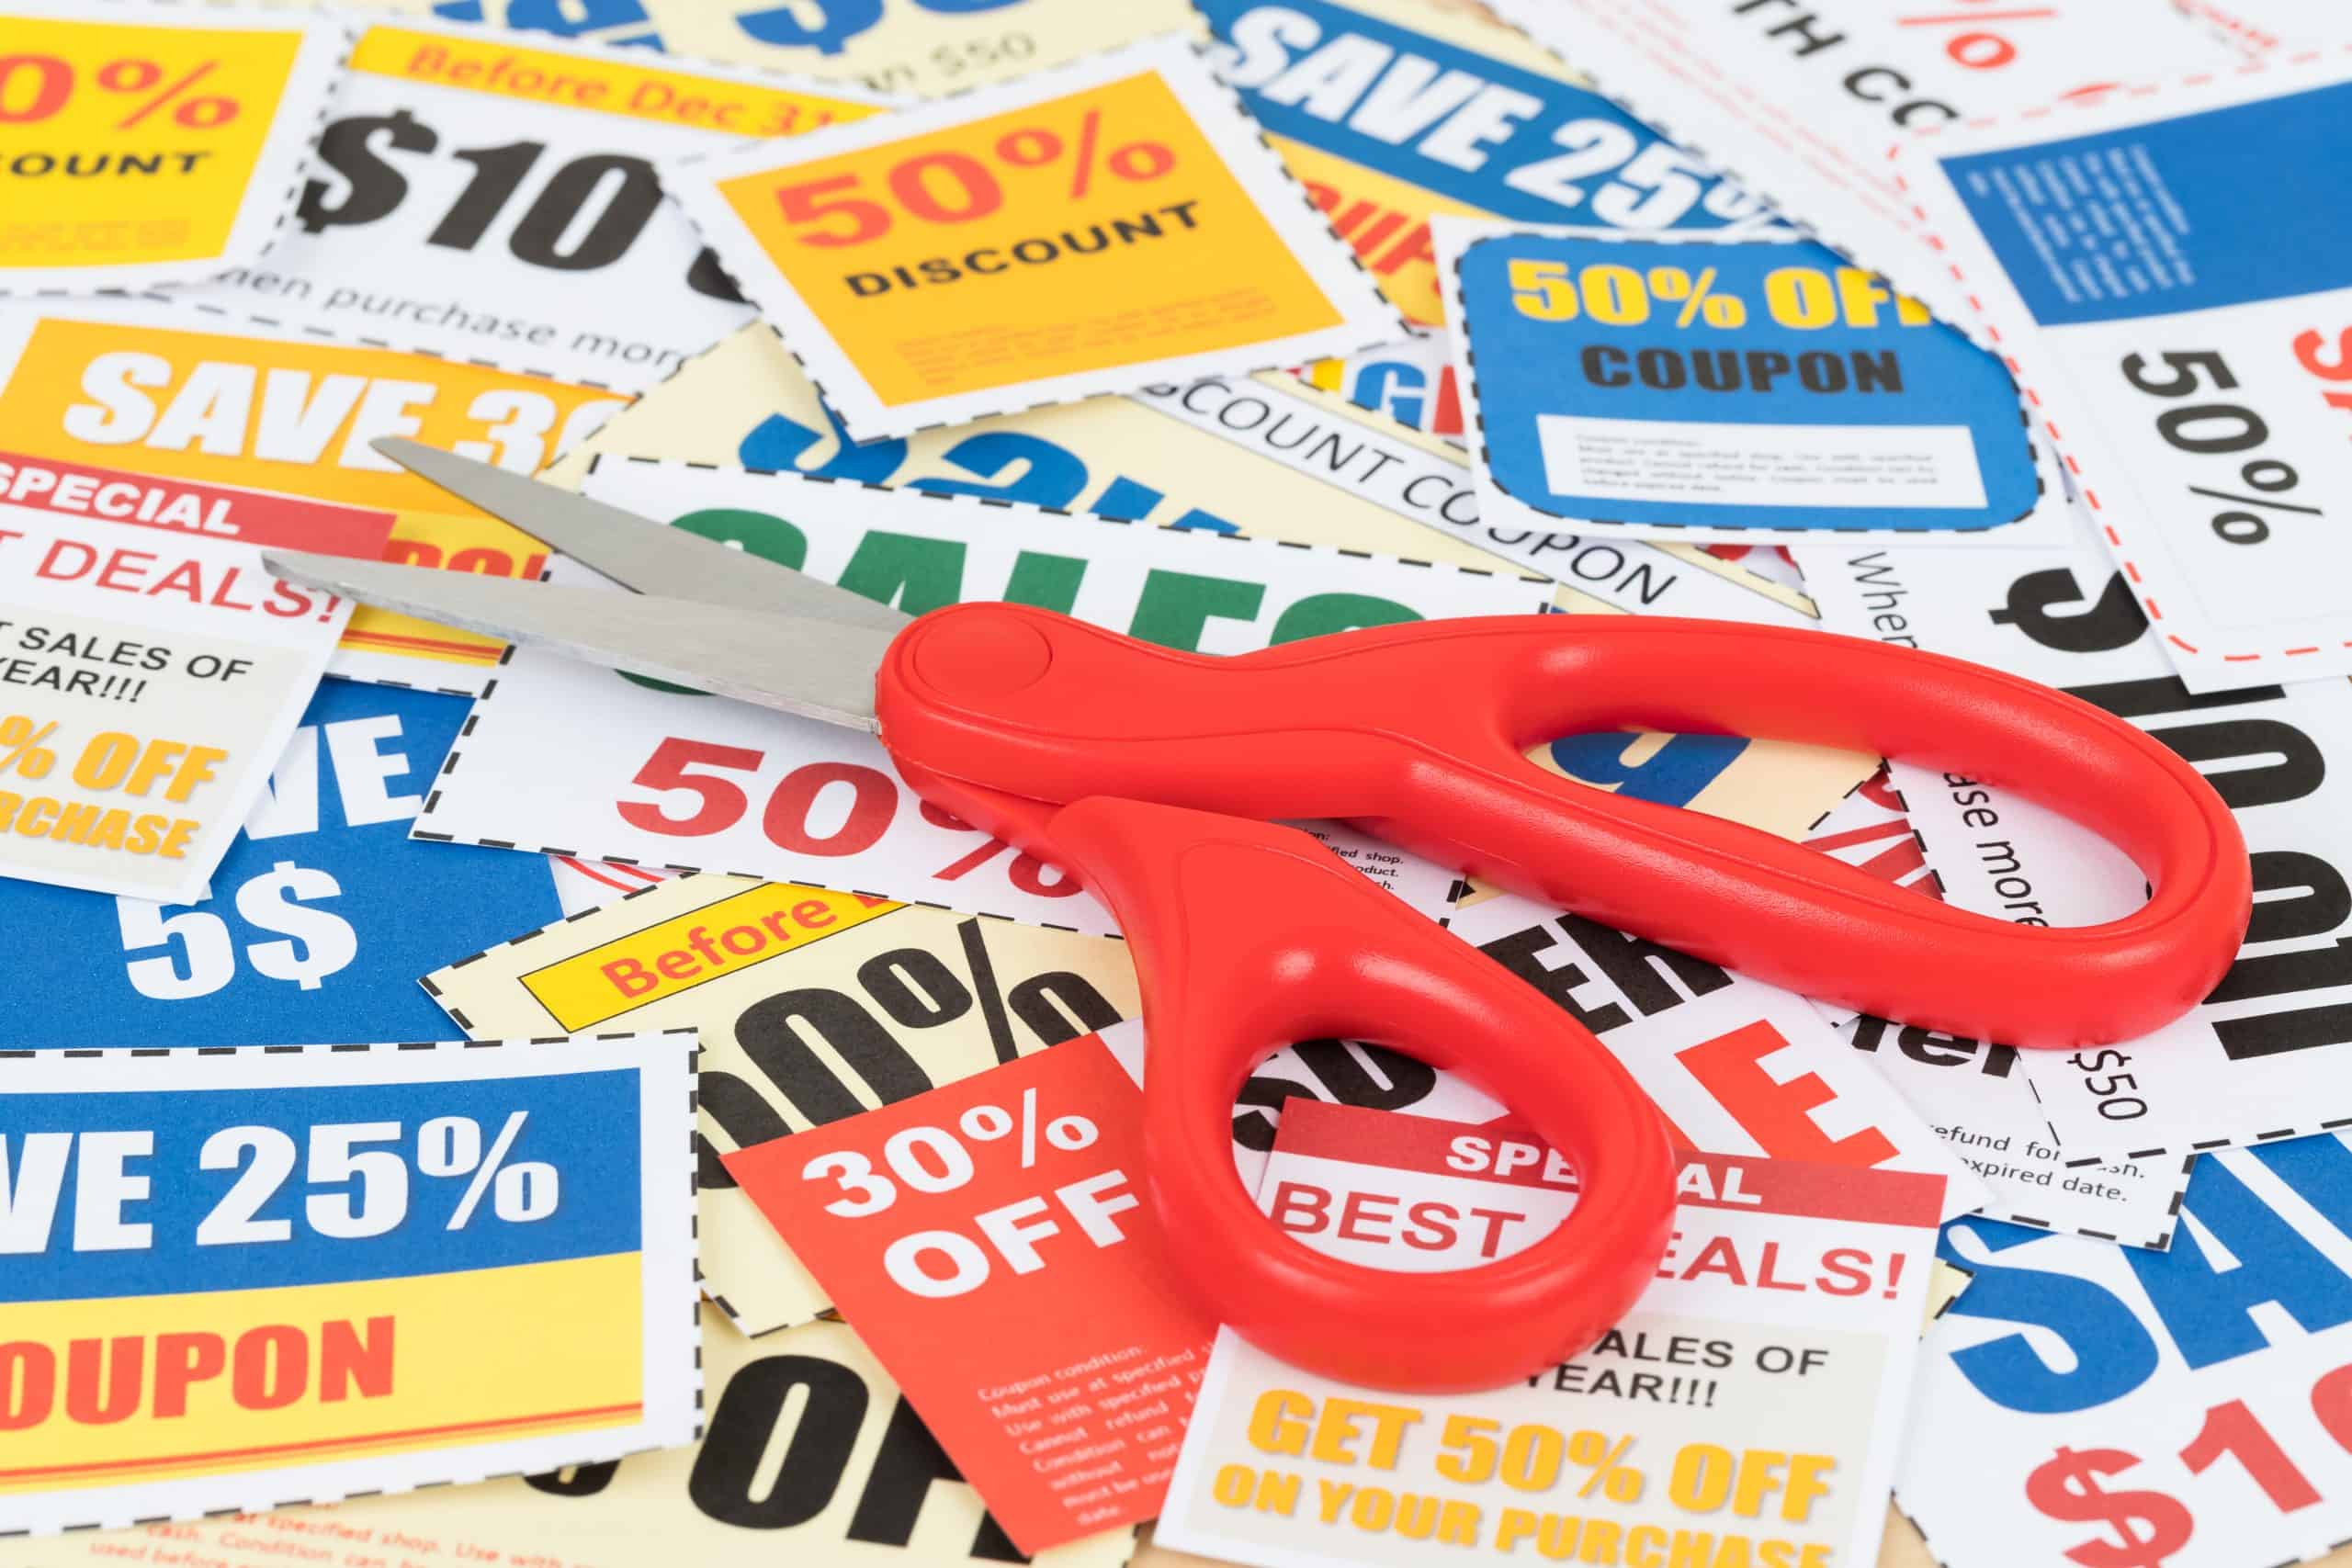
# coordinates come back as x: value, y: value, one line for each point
x: 809, y: 1456
x: 166, y: 390
x: 1083, y: 230
x: 812, y: 1005
x: 157, y: 145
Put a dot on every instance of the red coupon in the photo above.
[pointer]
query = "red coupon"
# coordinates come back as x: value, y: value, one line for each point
x: 992, y: 1243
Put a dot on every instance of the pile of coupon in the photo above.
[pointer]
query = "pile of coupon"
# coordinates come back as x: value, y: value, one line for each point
x: 464, y: 1106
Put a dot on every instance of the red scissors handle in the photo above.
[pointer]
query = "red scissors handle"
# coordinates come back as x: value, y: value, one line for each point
x: 1246, y: 936
x: 1419, y: 733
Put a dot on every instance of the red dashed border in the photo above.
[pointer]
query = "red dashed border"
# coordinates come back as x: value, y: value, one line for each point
x: 1992, y: 332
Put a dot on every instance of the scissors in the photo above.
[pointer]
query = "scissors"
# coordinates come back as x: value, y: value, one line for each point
x: 1157, y: 779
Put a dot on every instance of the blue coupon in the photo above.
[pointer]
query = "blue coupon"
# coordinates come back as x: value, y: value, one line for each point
x: 1390, y: 113
x: 1754, y: 390
x: 323, y: 914
x: 2171, y: 215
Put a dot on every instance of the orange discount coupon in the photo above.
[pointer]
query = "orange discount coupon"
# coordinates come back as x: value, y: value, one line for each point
x: 157, y: 145
x: 1086, y: 230
x: 993, y: 1243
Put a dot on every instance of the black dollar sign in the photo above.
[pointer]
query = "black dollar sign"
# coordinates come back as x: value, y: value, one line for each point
x: 2153, y: 1526
x: 2113, y: 622
x: 373, y: 187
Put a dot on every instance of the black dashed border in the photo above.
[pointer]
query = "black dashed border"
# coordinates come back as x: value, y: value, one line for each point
x: 306, y: 143
x: 1825, y: 534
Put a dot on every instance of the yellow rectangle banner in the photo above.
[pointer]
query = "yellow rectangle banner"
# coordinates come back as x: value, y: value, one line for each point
x: 678, y: 954
x: 490, y: 65
x: 130, y: 1389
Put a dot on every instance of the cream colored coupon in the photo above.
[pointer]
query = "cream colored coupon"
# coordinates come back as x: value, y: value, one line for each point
x: 812, y: 1005
x: 925, y: 47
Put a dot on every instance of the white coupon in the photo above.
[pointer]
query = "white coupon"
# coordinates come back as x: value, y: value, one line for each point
x: 151, y: 670
x: 687, y: 782
x: 1977, y: 1097
x: 2261, y: 26
x: 2257, y: 1058
x: 1983, y: 1105
x: 1087, y: 229
x: 1738, y: 1066
x: 2190, y: 1408
x: 151, y: 144
x: 491, y: 197
x: 1744, y: 1412
x: 1430, y: 485
x: 1801, y: 101
x: 2195, y: 372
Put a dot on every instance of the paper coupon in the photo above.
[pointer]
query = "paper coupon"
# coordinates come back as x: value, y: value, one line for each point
x: 698, y: 783
x: 1262, y: 456
x: 1391, y: 112
x: 322, y: 912
x: 1983, y: 1105
x: 2250, y: 1062
x: 151, y: 670
x: 857, y: 1483
x: 992, y: 1241
x: 171, y: 390
x: 1870, y: 831
x: 246, y: 1276
x: 810, y: 1006
x: 1979, y: 1098
x: 2186, y: 1408
x: 1801, y: 102
x: 1086, y: 230
x: 1735, y: 1066
x: 1754, y: 390
x: 2196, y: 376
x: 925, y: 47
x: 493, y: 198
x: 1429, y: 483
x: 149, y: 145
x: 1738, y: 1402
x: 2261, y: 26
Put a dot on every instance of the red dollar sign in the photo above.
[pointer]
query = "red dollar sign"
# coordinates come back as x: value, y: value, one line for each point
x: 2153, y: 1526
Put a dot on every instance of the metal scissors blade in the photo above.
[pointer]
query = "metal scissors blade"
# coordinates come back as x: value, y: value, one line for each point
x: 634, y: 550
x: 817, y: 668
